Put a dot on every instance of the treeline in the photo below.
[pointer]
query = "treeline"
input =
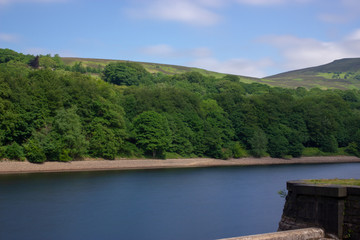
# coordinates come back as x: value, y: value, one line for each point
x: 53, y: 114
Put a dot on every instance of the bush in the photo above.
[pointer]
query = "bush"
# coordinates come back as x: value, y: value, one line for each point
x: 34, y: 152
x: 226, y: 153
x: 278, y: 146
x: 329, y: 144
x: 64, y: 156
x: 238, y: 150
x: 296, y: 150
x: 14, y: 151
x: 353, y: 149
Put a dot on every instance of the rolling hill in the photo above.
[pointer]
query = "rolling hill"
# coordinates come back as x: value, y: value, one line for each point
x: 339, y: 74
x: 154, y: 67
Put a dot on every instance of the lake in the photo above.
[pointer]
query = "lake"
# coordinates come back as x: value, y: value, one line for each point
x: 198, y: 203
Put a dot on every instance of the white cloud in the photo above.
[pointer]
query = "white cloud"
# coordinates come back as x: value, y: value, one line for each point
x: 10, y: 38
x: 354, y: 36
x: 164, y: 50
x: 161, y: 50
x: 201, y: 52
x: 191, y: 12
x: 301, y: 52
x: 344, y: 11
x: 333, y: 18
x: 201, y: 57
x: 236, y: 66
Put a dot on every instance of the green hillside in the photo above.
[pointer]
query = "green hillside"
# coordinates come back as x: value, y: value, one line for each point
x: 153, y: 68
x: 339, y: 74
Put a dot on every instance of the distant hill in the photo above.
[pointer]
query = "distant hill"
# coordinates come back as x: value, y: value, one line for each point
x: 341, y: 74
x: 153, y: 67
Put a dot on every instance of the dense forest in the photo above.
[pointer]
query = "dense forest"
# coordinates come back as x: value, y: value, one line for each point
x: 55, y: 112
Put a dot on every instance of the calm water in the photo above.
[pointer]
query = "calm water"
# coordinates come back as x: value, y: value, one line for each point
x: 203, y: 203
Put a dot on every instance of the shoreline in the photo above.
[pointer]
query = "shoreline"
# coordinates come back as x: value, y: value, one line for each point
x: 87, y: 165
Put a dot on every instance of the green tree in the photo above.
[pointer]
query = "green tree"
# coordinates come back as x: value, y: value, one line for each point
x: 125, y: 73
x: 218, y: 131
x: 232, y: 78
x: 78, y: 67
x: 258, y: 143
x: 278, y: 146
x: 328, y: 143
x: 68, y: 129
x: 152, y: 133
x: 103, y: 142
x: 47, y: 62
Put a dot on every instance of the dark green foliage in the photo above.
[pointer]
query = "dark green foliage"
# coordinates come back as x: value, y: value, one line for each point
x: 68, y: 131
x: 35, y: 63
x: 34, y: 152
x: 354, y: 147
x: 56, y: 113
x: 218, y: 131
x: 14, y: 151
x: 278, y: 146
x: 258, y: 143
x: 47, y: 62
x: 152, y: 133
x: 7, y: 55
x: 104, y: 143
x: 232, y: 78
x: 125, y: 73
x: 328, y: 143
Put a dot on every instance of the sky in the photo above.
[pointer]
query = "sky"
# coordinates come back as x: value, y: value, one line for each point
x: 255, y: 38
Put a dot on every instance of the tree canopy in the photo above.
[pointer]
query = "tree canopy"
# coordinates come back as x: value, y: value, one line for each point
x: 56, y: 112
x: 125, y: 73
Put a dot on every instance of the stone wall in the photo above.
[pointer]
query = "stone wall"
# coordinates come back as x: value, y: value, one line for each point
x: 351, y: 225
x: 299, y: 234
x: 336, y: 209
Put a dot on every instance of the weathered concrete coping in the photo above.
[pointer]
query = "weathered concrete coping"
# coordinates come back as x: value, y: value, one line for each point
x: 335, y: 191
x: 299, y: 234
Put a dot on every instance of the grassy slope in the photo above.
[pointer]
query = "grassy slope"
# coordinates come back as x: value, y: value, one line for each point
x: 155, y: 68
x: 337, y: 74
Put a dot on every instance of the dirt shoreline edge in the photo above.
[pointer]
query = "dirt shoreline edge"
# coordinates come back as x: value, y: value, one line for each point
x: 14, y: 167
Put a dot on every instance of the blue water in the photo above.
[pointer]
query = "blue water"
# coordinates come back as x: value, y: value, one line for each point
x: 200, y: 203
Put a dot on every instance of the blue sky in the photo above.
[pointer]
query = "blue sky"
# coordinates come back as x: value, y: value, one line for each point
x: 246, y: 37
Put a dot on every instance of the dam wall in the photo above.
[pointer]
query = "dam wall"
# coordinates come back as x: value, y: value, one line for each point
x: 334, y: 208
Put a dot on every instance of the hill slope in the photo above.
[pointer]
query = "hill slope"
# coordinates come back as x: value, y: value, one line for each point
x: 153, y: 67
x: 339, y: 74
x: 342, y: 74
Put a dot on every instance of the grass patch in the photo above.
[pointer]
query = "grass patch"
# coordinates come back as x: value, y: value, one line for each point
x: 311, y: 152
x: 346, y: 182
x: 325, y: 75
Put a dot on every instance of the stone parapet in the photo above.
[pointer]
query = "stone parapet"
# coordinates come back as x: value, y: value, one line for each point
x: 300, y: 234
